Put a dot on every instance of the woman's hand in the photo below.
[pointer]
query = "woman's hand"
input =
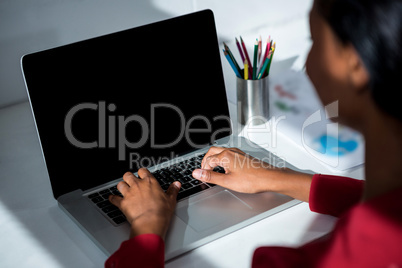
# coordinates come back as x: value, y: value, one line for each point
x: 243, y: 173
x: 246, y: 174
x: 147, y: 208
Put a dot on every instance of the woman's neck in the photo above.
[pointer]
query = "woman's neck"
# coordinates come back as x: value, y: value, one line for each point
x: 383, y: 136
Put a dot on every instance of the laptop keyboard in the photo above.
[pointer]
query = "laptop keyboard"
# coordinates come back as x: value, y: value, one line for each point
x: 101, y: 200
x: 165, y: 176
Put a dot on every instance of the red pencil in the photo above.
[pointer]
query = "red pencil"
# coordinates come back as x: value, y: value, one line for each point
x: 239, y: 48
x: 261, y: 63
x: 250, y: 68
x: 259, y: 49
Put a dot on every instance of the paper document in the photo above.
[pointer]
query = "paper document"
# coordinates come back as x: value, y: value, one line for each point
x: 297, y: 113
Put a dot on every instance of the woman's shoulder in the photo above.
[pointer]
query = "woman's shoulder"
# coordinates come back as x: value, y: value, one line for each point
x: 372, y: 231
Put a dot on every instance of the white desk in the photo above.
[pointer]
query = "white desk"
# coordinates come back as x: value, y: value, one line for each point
x: 35, y: 232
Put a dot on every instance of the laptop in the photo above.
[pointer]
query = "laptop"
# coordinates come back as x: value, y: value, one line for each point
x: 151, y: 96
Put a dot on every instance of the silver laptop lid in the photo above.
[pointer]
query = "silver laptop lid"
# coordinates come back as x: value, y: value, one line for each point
x: 138, y: 97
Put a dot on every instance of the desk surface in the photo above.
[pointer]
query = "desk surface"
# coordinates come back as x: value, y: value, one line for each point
x: 35, y: 232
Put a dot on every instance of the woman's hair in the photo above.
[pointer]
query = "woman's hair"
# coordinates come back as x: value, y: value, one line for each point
x: 374, y: 28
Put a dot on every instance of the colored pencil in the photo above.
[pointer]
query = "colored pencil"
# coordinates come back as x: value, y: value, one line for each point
x: 246, y: 70
x: 255, y: 59
x: 264, y: 67
x: 239, y: 48
x: 261, y: 61
x: 259, y: 48
x: 270, y: 49
x: 272, y: 55
x: 232, y: 64
x: 232, y: 58
x: 267, y: 48
x: 250, y: 67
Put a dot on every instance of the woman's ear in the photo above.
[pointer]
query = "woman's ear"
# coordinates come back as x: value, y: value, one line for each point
x: 358, y: 74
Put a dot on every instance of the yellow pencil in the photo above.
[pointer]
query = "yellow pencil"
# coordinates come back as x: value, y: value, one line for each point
x: 245, y: 69
x: 272, y: 55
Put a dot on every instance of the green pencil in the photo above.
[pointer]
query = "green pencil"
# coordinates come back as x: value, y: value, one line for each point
x: 264, y: 67
x: 255, y: 59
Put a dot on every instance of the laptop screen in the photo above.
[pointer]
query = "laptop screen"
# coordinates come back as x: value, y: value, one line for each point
x: 134, y: 98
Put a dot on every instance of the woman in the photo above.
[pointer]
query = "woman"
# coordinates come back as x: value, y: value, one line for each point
x: 355, y: 59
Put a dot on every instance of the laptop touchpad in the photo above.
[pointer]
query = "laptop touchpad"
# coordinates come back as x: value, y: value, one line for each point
x: 214, y: 211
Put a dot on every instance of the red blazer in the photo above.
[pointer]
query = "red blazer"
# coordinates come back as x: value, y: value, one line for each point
x: 367, y: 234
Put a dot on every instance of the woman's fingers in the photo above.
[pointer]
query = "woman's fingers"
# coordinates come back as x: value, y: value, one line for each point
x: 144, y: 173
x: 123, y: 187
x: 173, y: 190
x: 223, y: 157
x: 115, y: 200
x: 212, y: 151
x: 129, y: 178
x: 210, y: 176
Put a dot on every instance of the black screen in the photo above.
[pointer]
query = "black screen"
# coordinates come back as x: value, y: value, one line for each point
x: 134, y: 98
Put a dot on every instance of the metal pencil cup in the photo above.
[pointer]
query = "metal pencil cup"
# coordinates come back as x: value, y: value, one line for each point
x: 252, y: 101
